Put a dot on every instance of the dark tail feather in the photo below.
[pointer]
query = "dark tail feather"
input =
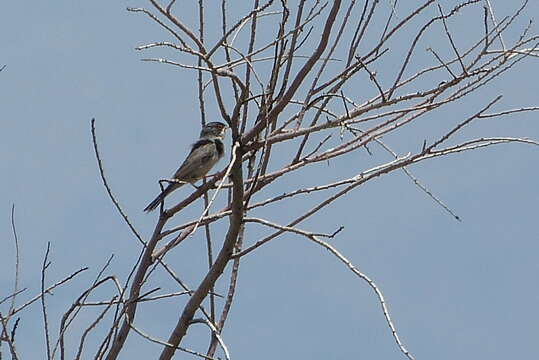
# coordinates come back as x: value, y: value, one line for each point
x: 157, y: 201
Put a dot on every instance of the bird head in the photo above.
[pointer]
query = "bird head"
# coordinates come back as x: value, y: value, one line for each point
x: 213, y: 130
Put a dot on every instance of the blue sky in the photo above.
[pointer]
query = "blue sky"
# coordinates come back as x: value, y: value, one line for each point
x: 454, y: 289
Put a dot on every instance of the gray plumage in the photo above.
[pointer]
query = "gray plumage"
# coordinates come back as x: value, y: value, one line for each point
x: 205, y: 153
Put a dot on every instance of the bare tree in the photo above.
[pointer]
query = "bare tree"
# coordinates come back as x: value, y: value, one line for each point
x: 297, y: 84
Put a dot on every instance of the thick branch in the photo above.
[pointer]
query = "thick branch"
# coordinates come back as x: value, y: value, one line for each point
x: 220, y: 262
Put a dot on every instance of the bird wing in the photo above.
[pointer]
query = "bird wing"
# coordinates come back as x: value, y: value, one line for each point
x: 194, y: 166
x: 203, y: 156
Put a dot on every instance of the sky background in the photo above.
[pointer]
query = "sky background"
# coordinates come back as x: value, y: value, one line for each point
x: 454, y: 289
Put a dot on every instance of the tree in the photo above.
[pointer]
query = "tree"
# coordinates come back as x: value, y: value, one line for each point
x: 285, y: 77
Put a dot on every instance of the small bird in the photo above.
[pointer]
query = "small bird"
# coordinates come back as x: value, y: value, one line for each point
x: 205, y: 153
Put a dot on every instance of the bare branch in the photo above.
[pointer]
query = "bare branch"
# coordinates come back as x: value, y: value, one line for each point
x: 373, y: 286
x: 451, y: 39
x: 300, y: 77
x: 355, y: 181
x: 462, y: 124
x: 107, y: 187
x: 507, y: 112
x: 231, y: 292
x: 416, y: 182
x: 91, y: 327
x: 6, y: 298
x: 314, y: 237
x: 215, y: 332
x: 142, y: 299
x: 168, y: 28
x: 292, y: 229
x: 48, y: 290
x: 180, y: 25
x: 5, y: 336
x: 292, y: 69
x: 162, y: 342
x: 493, y: 17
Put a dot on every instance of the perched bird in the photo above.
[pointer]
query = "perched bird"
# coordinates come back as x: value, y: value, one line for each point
x: 205, y: 153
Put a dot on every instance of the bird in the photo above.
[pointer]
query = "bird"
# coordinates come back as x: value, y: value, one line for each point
x: 204, y: 154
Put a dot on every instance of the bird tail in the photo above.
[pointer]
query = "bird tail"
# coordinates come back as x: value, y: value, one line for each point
x: 159, y: 199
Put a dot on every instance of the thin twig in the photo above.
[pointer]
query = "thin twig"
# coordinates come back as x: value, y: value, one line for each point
x: 420, y: 185
x: 494, y: 21
x: 507, y: 112
x: 292, y: 229
x: 12, y: 295
x: 453, y: 46
x: 443, y: 63
x: 17, y: 259
x: 44, y: 267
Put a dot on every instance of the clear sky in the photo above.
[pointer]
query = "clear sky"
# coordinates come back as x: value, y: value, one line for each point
x: 455, y: 289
